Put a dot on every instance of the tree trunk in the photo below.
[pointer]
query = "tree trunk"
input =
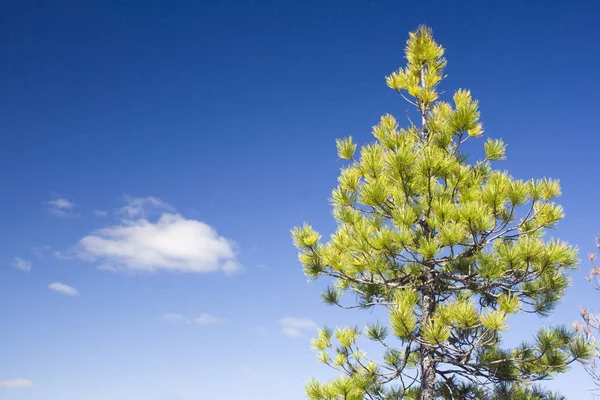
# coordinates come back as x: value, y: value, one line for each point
x: 427, y: 354
x: 428, y: 297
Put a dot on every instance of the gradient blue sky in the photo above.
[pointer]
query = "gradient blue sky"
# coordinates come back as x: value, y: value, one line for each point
x: 227, y: 112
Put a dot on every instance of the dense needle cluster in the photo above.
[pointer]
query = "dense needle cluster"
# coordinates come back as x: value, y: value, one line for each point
x: 449, y: 247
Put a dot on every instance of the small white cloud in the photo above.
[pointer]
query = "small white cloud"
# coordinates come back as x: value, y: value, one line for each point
x: 61, y: 202
x: 15, y: 383
x: 206, y: 319
x: 100, y: 213
x: 173, y: 317
x: 172, y: 243
x: 140, y: 207
x: 203, y: 319
x: 22, y: 264
x: 293, y: 332
x: 61, y: 207
x: 64, y: 289
x: 296, y: 327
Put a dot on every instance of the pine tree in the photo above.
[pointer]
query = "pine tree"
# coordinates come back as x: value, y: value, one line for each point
x: 448, y: 248
x: 591, y: 322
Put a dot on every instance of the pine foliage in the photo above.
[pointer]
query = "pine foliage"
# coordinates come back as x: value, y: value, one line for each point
x: 450, y: 248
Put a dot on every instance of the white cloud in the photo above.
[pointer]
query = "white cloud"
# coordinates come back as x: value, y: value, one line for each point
x: 173, y: 317
x: 22, y: 264
x: 15, y: 383
x: 296, y: 327
x: 139, y: 207
x: 172, y: 243
x: 61, y: 202
x: 203, y: 319
x: 100, y: 213
x: 206, y: 319
x: 61, y: 207
x: 64, y: 289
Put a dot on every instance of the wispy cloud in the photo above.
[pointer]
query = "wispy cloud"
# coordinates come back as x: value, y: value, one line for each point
x: 206, y: 319
x: 22, y: 264
x: 203, y: 319
x: 140, y: 207
x: 100, y: 213
x: 61, y: 207
x: 65, y: 255
x: 171, y: 243
x: 173, y: 317
x: 61, y: 202
x: 15, y: 383
x: 296, y: 327
x: 64, y: 289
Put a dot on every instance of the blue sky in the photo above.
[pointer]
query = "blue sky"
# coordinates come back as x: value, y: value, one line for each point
x: 194, y: 135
